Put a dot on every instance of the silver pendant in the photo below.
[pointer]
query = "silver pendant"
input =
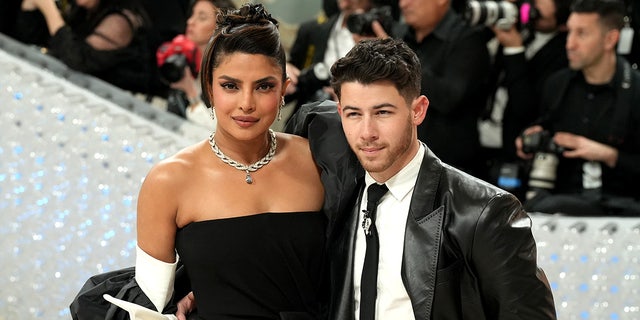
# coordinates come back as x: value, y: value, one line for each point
x: 248, y: 178
x: 366, y: 223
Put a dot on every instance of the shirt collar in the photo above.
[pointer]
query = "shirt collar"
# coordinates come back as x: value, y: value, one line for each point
x: 616, y: 81
x: 401, y: 184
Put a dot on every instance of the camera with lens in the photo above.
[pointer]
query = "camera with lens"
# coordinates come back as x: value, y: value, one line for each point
x: 173, y: 56
x: 502, y: 13
x: 545, y: 161
x: 541, y: 141
x: 360, y: 23
x: 311, y: 81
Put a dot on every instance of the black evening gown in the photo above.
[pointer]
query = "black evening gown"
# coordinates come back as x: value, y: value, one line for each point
x: 263, y: 266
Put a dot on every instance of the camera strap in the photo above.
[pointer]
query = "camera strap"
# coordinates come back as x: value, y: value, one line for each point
x: 623, y: 104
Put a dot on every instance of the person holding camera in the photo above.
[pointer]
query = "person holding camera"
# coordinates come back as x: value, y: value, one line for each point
x: 529, y: 49
x: 588, y: 165
x: 317, y: 45
x: 179, y: 62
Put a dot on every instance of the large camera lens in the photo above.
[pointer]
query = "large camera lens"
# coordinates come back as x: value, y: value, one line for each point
x: 545, y: 160
x: 502, y: 14
x: 543, y: 173
x: 173, y: 68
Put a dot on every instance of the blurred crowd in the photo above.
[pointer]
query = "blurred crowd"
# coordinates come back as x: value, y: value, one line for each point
x: 539, y: 97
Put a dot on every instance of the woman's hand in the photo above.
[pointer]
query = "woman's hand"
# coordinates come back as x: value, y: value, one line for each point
x: 185, y: 306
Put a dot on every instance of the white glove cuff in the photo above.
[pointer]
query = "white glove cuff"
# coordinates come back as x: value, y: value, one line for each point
x: 155, y: 278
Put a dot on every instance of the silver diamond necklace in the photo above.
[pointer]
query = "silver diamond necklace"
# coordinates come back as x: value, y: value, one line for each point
x: 246, y: 168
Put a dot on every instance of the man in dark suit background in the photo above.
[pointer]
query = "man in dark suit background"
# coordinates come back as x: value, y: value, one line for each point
x: 527, y: 54
x: 450, y: 246
x: 319, y: 43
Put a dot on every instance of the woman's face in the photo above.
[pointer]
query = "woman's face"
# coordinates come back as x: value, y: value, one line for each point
x: 202, y: 23
x: 247, y: 90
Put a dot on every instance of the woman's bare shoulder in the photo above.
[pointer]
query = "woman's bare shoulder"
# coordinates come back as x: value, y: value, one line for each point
x: 293, y: 142
x: 295, y: 149
x: 182, y: 165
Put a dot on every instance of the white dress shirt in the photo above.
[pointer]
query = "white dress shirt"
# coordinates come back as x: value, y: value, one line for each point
x: 339, y: 43
x: 391, y: 219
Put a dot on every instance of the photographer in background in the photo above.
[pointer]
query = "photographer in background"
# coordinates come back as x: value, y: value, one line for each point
x: 593, y: 121
x: 179, y: 62
x: 317, y: 45
x: 529, y: 50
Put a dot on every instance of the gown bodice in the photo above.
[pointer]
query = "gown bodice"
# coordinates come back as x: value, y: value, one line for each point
x: 262, y: 266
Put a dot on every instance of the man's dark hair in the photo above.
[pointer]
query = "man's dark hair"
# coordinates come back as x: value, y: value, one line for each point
x: 379, y: 60
x: 611, y: 12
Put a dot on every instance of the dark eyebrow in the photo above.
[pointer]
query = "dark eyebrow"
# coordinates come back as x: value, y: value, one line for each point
x: 265, y: 79
x: 377, y: 106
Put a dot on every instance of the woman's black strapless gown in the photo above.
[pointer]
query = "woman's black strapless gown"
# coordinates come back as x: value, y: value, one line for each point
x: 263, y: 266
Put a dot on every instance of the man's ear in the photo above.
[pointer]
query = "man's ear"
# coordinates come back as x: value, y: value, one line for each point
x: 419, y: 108
x: 611, y: 39
x: 339, y: 106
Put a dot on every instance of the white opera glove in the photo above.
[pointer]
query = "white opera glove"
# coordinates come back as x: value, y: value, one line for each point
x: 155, y: 278
x: 138, y: 312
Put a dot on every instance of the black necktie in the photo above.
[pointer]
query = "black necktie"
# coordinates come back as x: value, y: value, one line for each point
x: 369, y: 281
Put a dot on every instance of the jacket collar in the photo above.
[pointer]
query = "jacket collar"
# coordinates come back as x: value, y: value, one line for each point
x: 423, y: 237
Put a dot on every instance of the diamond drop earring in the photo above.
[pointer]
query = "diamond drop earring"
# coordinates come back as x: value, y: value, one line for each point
x: 280, y: 109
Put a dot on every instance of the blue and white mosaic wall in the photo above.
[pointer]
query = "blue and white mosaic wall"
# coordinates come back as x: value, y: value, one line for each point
x: 71, y: 165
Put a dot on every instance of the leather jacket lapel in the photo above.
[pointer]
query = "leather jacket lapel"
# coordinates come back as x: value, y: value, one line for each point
x: 422, y: 238
x: 343, y: 242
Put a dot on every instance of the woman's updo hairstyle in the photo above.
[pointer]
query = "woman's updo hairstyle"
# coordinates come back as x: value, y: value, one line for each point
x: 249, y: 29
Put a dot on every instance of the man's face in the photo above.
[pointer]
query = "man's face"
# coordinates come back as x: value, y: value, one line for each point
x: 587, y: 40
x: 380, y: 126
